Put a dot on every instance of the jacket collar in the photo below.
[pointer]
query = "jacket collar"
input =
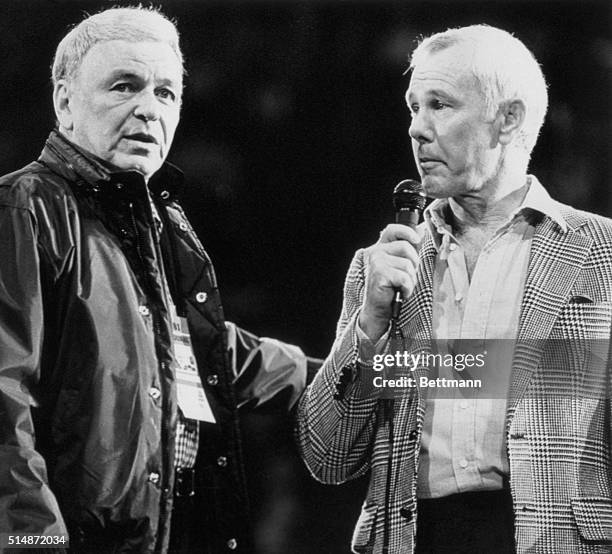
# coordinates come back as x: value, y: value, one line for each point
x: 94, y: 176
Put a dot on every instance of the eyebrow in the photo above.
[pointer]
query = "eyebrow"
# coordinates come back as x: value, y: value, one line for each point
x: 438, y: 92
x: 434, y: 93
x: 130, y: 75
x: 123, y: 74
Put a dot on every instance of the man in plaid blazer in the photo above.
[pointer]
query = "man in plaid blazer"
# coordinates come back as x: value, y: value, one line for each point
x: 528, y: 470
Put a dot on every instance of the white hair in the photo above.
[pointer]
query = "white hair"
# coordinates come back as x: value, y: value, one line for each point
x: 503, y: 67
x: 132, y: 24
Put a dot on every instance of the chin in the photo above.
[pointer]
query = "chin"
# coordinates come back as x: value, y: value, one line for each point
x: 434, y: 188
x: 146, y: 167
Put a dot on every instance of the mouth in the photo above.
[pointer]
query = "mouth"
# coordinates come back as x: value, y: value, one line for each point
x: 429, y: 163
x: 142, y: 137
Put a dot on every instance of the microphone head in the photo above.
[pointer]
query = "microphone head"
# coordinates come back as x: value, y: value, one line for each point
x: 409, y: 195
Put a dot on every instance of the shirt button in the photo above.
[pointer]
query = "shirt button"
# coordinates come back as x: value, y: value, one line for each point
x: 154, y: 393
x: 463, y: 463
x: 452, y: 247
x: 458, y: 297
x: 222, y: 461
x: 119, y: 186
x: 144, y: 311
x: 212, y: 380
x: 164, y: 195
x: 154, y: 478
x: 232, y: 544
x: 183, y: 226
x: 201, y: 297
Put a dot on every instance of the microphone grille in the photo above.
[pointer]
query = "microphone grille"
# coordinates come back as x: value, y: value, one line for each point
x: 409, y: 194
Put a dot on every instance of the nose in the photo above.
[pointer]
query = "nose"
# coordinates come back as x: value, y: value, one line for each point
x: 147, y: 107
x: 420, y: 127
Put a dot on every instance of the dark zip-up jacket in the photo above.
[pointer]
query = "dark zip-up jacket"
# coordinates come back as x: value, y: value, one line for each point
x: 88, y: 405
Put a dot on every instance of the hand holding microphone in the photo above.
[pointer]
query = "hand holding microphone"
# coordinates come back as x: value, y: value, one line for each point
x: 391, y: 263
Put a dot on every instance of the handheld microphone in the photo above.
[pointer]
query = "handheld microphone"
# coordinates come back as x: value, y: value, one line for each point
x: 409, y: 201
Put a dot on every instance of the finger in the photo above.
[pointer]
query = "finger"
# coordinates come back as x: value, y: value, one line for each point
x: 396, y: 231
x: 402, y: 249
x: 393, y: 278
x: 403, y: 264
x: 402, y: 280
x: 399, y: 254
x: 409, y: 284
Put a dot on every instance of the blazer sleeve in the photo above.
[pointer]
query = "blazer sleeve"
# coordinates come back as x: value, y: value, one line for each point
x: 337, y: 414
x: 27, y: 504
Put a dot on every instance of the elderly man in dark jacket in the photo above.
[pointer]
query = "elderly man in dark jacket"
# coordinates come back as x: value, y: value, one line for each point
x: 118, y: 422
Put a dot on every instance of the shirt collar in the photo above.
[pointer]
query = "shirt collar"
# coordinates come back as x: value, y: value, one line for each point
x: 536, y: 200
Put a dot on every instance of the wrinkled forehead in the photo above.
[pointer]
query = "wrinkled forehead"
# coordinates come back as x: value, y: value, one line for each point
x: 144, y: 59
x: 449, y: 69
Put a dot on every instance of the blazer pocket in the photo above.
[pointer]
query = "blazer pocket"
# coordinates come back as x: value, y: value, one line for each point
x: 581, y: 299
x: 364, y: 534
x: 594, y: 518
x: 586, y: 320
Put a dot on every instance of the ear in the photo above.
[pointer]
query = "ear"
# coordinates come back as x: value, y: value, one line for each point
x: 512, y: 114
x: 62, y: 102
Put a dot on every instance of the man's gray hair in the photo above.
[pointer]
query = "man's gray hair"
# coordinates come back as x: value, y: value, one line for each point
x: 504, y: 69
x: 132, y: 24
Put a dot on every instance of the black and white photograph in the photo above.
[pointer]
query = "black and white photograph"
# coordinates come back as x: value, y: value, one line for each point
x: 306, y: 277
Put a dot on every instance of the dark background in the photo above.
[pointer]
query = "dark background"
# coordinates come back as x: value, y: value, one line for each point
x: 293, y: 134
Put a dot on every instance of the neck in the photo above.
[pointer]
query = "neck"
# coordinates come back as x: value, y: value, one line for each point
x: 490, y: 205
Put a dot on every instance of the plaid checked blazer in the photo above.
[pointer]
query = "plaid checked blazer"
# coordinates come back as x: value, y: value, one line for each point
x: 558, y: 420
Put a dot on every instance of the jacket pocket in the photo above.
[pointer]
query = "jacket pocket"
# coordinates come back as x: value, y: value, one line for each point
x: 587, y: 320
x: 364, y: 534
x: 594, y: 518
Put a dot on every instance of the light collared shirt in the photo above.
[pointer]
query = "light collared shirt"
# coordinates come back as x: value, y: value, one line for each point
x: 463, y: 445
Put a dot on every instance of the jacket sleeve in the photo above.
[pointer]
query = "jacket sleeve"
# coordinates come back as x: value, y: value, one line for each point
x: 337, y: 414
x: 268, y: 373
x: 27, y: 504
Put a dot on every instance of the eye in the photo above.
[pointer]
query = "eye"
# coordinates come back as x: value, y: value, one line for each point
x: 166, y: 94
x: 438, y: 105
x: 123, y: 87
x: 414, y: 108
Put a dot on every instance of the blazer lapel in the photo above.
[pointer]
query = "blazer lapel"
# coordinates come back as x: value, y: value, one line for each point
x: 415, y: 319
x: 555, y: 262
x: 415, y: 315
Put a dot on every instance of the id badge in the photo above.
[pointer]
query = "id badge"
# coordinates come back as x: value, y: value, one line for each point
x: 191, y: 396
